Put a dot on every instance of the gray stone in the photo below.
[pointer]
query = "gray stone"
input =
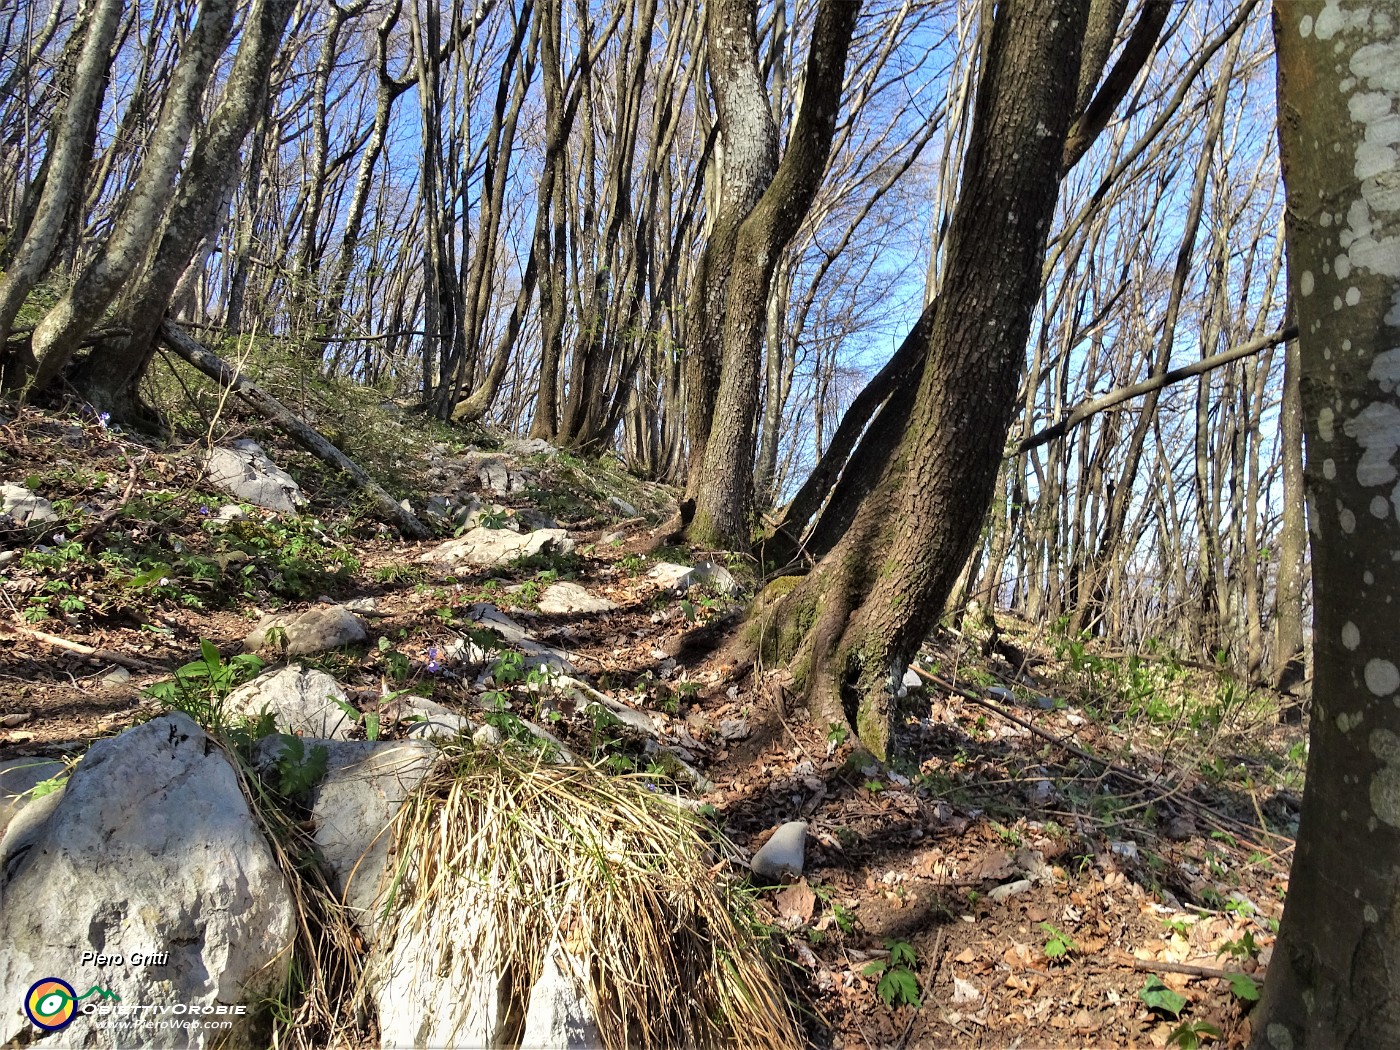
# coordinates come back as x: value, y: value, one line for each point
x: 18, y: 776
x: 496, y: 476
x: 8, y: 556
x: 487, y: 615
x: 303, y: 701
x: 150, y: 848
x: 483, y: 547
x: 245, y: 472
x: 366, y: 783
x: 1000, y: 692
x: 622, y: 507
x: 230, y: 512
x: 117, y: 678
x: 531, y: 447
x: 565, y: 598
x: 487, y: 736
x: 539, y: 656
x: 422, y: 719
x: 22, y: 506
x: 1010, y: 889
x: 733, y: 729
x: 784, y: 853
x: 530, y: 519
x: 559, y: 1015
x: 312, y: 631
x: 680, y: 578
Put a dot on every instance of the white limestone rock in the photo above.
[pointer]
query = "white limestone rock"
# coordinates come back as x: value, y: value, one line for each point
x: 150, y: 848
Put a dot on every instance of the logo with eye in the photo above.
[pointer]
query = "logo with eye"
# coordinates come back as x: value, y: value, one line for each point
x: 51, y: 1004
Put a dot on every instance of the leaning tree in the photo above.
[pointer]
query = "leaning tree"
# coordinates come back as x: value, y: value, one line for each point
x: 1335, y: 976
x: 849, y: 628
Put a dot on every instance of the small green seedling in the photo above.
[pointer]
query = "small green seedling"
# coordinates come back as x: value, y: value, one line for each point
x: 1058, y: 944
x: 898, y: 986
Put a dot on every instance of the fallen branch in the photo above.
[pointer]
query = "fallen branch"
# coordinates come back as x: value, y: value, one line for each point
x: 217, y: 369
x: 1189, y: 969
x: 132, y: 663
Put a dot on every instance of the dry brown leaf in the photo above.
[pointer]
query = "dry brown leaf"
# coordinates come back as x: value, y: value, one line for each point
x: 965, y: 956
x: 796, y: 902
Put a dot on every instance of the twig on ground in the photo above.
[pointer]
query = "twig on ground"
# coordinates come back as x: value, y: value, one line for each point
x: 130, y: 662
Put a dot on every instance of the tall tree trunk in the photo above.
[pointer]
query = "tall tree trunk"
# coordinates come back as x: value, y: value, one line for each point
x: 98, y: 283
x: 850, y: 628
x: 95, y: 29
x: 744, y: 167
x: 1335, y: 976
x: 110, y: 375
x: 724, y: 494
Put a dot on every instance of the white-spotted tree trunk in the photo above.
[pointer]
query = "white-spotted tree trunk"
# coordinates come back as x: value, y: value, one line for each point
x: 1335, y: 976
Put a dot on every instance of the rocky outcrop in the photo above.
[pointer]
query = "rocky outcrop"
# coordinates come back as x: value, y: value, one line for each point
x: 150, y: 850
x: 245, y: 472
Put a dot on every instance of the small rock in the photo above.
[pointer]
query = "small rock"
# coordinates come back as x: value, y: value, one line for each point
x: 487, y: 736
x: 680, y: 578
x: 116, y: 678
x: 784, y: 853
x: 1127, y: 849
x: 559, y: 1015
x: 230, y: 512
x: 312, y: 631
x: 733, y: 729
x: 912, y: 680
x: 531, y: 519
x: 566, y: 598
x: 622, y: 507
x: 8, y: 556
x: 1000, y: 692
x: 1010, y: 889
x: 21, y: 505
x: 1045, y: 703
x: 17, y: 719
x: 489, y: 547
x: 422, y: 719
x: 1180, y: 828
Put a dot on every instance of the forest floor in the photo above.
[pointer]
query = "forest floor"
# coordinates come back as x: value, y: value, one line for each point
x: 1077, y: 847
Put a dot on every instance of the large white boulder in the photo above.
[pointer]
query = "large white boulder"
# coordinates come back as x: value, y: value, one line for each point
x: 565, y: 598
x: 366, y: 783
x: 152, y: 849
x: 483, y: 547
x: 245, y: 472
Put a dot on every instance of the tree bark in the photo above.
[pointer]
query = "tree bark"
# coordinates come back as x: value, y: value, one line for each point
x: 1287, y: 666
x: 109, y: 377
x: 98, y: 283
x: 1335, y: 976
x: 95, y: 29
x: 724, y: 491
x: 850, y: 628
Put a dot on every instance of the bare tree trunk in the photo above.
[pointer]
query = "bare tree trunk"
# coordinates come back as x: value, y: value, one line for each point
x: 1335, y: 976
x: 98, y: 283
x: 851, y: 626
x: 110, y: 375
x: 95, y: 29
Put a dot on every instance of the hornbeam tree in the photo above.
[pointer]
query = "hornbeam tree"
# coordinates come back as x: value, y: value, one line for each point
x: 849, y: 628
x: 1335, y: 976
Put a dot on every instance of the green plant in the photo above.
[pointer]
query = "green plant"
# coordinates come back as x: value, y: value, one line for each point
x: 1058, y: 944
x: 1244, y: 987
x: 1158, y: 996
x: 201, y: 686
x: 898, y: 986
x: 298, y: 769
x: 1245, y: 947
x: 837, y: 733
x: 1188, y: 1034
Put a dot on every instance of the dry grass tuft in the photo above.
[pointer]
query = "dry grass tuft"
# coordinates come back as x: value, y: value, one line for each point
x: 500, y: 847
